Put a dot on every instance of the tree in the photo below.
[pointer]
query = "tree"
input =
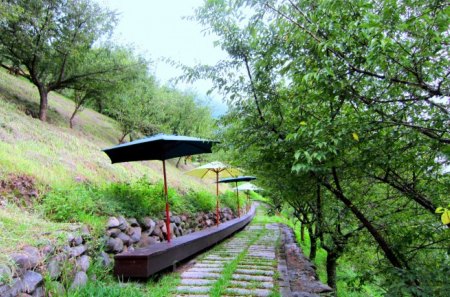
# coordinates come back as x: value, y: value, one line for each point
x: 349, y: 95
x: 49, y: 40
x: 101, y: 88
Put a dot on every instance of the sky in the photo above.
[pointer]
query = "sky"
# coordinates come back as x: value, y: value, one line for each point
x: 157, y: 30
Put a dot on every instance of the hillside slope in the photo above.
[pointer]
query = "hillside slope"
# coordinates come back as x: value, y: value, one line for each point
x: 56, y: 155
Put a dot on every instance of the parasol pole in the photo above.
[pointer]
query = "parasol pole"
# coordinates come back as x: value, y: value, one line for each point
x: 167, y: 202
x: 248, y: 200
x: 237, y: 196
x: 217, y: 200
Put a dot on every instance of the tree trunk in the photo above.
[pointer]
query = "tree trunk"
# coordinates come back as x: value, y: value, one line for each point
x: 383, y: 244
x: 331, y: 269
x: 43, y: 104
x: 302, y: 232
x: 72, y: 117
x: 313, y: 241
x: 121, y: 140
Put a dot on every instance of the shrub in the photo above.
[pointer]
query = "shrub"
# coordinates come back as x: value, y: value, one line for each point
x: 200, y: 201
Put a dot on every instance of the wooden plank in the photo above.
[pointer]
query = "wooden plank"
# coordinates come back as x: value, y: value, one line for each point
x: 142, y: 263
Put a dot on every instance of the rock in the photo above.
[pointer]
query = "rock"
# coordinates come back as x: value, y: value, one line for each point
x: 77, y: 251
x: 176, y: 220
x: 112, y: 223
x: 54, y: 268
x: 146, y: 240
x: 148, y: 224
x: 104, y: 259
x: 24, y: 295
x: 157, y: 239
x: 123, y: 224
x: 74, y: 240
x: 164, y: 230
x: 39, y: 292
x: 130, y: 248
x: 80, y: 280
x: 113, y: 232
x: 208, y: 223
x: 83, y: 263
x: 160, y: 223
x: 125, y: 238
x: 135, y: 234
x: 5, y: 273
x: 157, y: 231
x: 30, y: 281
x: 184, y: 218
x: 57, y: 289
x: 133, y: 222
x: 13, y: 290
x: 177, y: 231
x: 47, y: 250
x: 114, y: 245
x: 22, y: 261
x: 84, y: 230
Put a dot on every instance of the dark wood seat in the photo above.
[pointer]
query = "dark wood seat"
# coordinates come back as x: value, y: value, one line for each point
x: 142, y: 263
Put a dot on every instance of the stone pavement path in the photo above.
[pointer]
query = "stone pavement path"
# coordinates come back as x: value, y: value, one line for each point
x: 245, y: 265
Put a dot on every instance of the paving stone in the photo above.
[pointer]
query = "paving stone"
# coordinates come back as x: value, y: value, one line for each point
x: 251, y: 277
x: 259, y: 284
x: 190, y: 289
x: 189, y: 274
x: 254, y: 272
x: 201, y: 269
x: 208, y: 265
x: 251, y: 292
x: 197, y: 282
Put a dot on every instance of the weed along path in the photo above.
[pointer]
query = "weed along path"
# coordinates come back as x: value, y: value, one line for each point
x: 252, y: 263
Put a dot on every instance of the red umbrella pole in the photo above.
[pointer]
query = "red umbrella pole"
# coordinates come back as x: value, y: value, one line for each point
x: 217, y: 200
x: 237, y: 196
x: 167, y: 202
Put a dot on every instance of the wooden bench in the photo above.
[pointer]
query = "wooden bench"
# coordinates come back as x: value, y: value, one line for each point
x: 142, y: 263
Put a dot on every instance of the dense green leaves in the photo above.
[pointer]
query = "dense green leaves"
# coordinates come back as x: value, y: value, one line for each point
x: 341, y: 107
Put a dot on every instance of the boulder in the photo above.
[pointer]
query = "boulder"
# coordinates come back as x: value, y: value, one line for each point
x: 47, y: 250
x: 184, y: 218
x: 164, y: 230
x: 83, y: 263
x: 39, y: 292
x: 123, y: 224
x: 54, y: 268
x: 158, y: 232
x: 77, y: 251
x: 148, y: 224
x: 22, y: 261
x: 5, y: 273
x: 135, y: 234
x: 104, y: 259
x: 30, y: 281
x: 112, y: 223
x: 208, y: 223
x: 125, y: 238
x: 80, y: 280
x: 176, y: 220
x: 113, y: 232
x: 177, y: 231
x: 133, y: 222
x: 146, y: 240
x: 114, y: 245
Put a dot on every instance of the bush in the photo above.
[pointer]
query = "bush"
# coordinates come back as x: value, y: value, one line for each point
x: 228, y: 199
x: 200, y: 201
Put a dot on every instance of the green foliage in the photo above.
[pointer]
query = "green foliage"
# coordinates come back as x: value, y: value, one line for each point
x: 200, y: 201
x: 51, y: 41
x: 229, y: 199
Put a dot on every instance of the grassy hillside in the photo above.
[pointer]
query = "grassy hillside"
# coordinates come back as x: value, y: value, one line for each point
x: 55, y: 154
x: 56, y: 157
